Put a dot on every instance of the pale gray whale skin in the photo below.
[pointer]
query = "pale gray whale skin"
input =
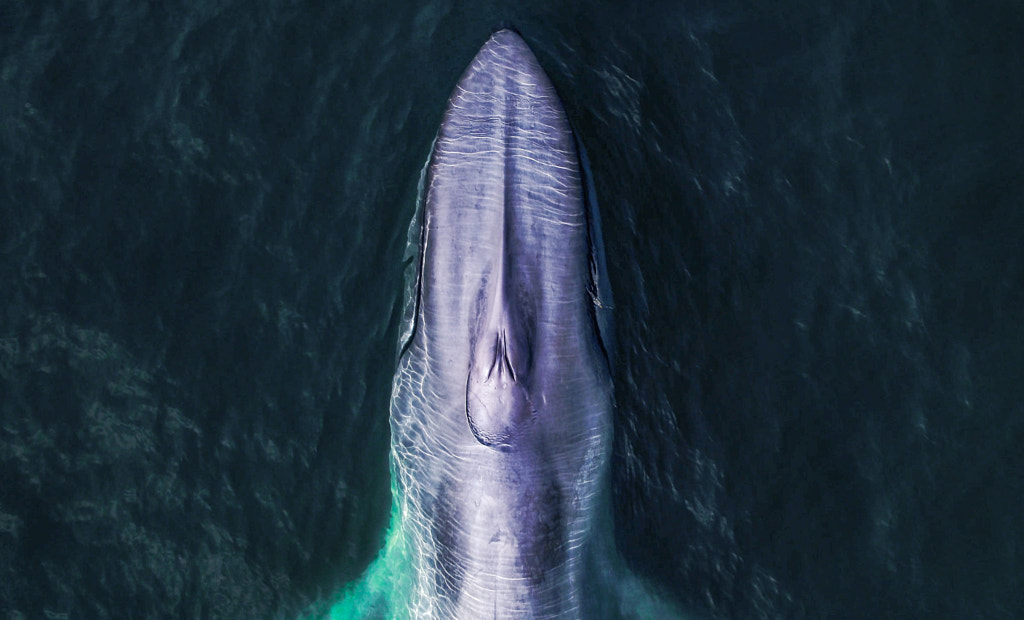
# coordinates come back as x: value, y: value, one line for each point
x: 501, y: 411
x: 501, y: 416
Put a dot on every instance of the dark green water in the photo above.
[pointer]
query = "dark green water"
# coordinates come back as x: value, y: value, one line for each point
x: 813, y: 215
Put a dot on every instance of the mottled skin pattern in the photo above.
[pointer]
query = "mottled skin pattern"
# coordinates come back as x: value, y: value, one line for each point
x: 501, y: 409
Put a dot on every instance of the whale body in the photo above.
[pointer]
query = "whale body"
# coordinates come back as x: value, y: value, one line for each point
x: 501, y: 411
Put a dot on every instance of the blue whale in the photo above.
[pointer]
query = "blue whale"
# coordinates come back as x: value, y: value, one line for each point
x: 501, y: 412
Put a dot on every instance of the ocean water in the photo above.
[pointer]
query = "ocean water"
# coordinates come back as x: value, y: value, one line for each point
x: 813, y: 214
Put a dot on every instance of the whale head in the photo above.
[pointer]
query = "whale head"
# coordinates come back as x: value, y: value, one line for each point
x: 502, y: 404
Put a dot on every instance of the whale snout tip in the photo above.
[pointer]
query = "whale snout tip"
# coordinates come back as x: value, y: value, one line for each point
x: 507, y: 35
x: 507, y: 44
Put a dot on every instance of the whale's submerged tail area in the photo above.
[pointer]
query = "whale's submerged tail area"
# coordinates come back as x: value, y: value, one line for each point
x: 501, y: 406
x: 386, y: 591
